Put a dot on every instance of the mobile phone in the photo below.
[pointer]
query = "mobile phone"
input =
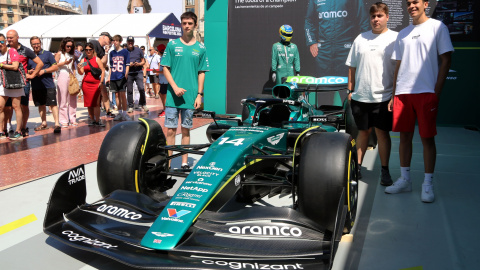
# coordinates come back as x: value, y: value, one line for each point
x: 83, y: 64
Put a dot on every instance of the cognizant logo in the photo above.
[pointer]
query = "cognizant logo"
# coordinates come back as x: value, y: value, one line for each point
x: 332, y: 14
x: 242, y: 265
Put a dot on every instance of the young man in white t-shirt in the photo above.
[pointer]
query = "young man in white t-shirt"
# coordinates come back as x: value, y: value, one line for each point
x: 370, y: 80
x: 423, y: 52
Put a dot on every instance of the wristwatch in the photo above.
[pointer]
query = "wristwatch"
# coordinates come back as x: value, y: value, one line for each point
x: 201, y: 94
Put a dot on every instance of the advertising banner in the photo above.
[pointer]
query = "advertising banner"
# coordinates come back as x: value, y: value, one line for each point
x: 323, y: 31
x: 132, y: 6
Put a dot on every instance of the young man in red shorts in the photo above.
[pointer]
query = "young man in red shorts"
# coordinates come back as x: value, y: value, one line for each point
x: 423, y: 53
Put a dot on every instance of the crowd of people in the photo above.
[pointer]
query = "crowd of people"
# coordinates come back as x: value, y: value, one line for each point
x: 98, y: 66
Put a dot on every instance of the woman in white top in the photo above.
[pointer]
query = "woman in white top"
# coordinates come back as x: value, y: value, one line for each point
x: 67, y: 103
x: 12, y: 64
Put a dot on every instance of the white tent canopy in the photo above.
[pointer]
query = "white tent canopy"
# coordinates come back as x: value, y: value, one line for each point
x: 87, y: 26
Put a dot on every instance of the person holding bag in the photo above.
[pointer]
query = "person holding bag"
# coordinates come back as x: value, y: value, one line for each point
x: 9, y: 60
x: 67, y: 103
x: 94, y: 72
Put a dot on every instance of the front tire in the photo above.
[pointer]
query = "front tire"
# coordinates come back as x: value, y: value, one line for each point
x: 123, y: 156
x: 327, y: 166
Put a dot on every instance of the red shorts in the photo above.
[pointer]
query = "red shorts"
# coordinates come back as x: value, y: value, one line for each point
x: 423, y: 107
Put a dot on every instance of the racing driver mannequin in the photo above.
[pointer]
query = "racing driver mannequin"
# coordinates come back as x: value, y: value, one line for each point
x: 330, y: 28
x: 285, y: 56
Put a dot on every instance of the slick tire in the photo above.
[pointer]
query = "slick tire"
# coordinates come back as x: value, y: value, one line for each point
x: 328, y: 165
x: 121, y: 164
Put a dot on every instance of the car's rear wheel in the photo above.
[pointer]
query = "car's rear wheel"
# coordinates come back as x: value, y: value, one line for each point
x: 124, y: 156
x: 328, y: 165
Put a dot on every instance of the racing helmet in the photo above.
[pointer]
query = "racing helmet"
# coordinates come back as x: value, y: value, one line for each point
x: 286, y: 32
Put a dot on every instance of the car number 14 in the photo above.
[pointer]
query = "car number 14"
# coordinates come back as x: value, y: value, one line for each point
x: 235, y: 142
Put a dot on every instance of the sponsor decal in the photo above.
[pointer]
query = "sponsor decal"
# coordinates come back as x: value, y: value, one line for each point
x: 332, y: 14
x: 172, y: 212
x: 75, y: 176
x: 75, y: 237
x: 184, y: 204
x: 238, y: 179
x: 159, y: 234
x: 205, y: 174
x: 186, y: 195
x: 174, y: 215
x: 157, y: 241
x: 321, y: 80
x: 198, y: 182
x: 118, y: 211
x: 211, y: 166
x: 194, y: 189
x: 253, y: 265
x: 347, y: 45
x: 322, y: 119
x: 266, y: 230
x: 274, y: 140
x: 178, y: 49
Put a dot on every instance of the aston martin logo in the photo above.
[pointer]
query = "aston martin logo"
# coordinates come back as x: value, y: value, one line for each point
x: 162, y: 234
x: 274, y: 140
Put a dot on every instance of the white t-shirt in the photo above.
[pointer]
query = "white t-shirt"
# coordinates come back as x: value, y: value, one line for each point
x: 153, y: 63
x: 418, y: 47
x: 371, y: 56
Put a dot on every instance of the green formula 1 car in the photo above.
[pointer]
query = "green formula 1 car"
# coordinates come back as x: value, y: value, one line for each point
x: 221, y: 216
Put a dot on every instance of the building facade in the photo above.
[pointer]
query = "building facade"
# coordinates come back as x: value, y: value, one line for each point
x: 197, y: 7
x: 12, y: 11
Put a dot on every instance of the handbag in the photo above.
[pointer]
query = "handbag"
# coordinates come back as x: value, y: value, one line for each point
x: 13, y: 79
x: 73, y: 85
x: 96, y: 72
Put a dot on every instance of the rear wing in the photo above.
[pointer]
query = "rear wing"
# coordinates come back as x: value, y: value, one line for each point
x: 321, y: 84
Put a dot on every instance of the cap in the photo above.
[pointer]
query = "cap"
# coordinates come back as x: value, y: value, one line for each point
x: 130, y: 38
x: 106, y: 34
x: 161, y: 48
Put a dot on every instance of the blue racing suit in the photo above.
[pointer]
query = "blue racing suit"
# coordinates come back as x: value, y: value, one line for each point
x: 333, y: 25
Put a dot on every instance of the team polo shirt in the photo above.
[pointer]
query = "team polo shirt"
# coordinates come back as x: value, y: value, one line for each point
x: 185, y: 63
x: 25, y: 54
x: 46, y: 80
x: 119, y: 60
x: 136, y: 56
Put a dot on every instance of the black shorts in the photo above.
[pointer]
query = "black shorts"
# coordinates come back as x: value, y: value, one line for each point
x: 163, y: 89
x: 118, y: 85
x: 44, y: 96
x: 153, y: 78
x: 369, y: 115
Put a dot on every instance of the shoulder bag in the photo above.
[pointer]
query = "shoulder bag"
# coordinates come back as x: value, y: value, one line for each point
x: 13, y: 79
x: 96, y: 72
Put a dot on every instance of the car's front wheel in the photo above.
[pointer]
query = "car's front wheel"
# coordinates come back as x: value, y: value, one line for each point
x: 328, y: 166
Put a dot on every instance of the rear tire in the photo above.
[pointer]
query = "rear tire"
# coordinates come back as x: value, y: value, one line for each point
x: 121, y: 164
x: 328, y: 165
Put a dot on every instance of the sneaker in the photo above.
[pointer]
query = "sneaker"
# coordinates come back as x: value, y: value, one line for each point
x: 10, y: 132
x: 115, y: 107
x: 157, y: 97
x: 119, y: 117
x: 427, y: 193
x: 91, y: 123
x: 2, y: 136
x: 130, y: 110
x: 127, y: 118
x: 386, y: 179
x: 25, y: 132
x: 401, y: 185
x: 185, y: 166
x: 16, y: 136
x: 145, y: 108
x: 110, y: 114
x: 99, y: 124
x: 162, y: 114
